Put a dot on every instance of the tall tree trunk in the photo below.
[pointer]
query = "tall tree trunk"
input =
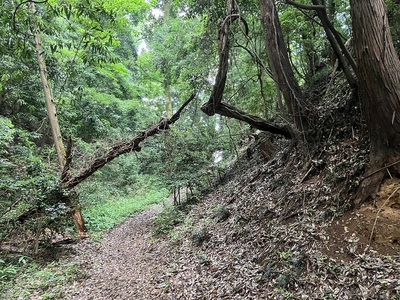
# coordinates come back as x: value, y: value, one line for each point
x: 379, y: 82
x: 280, y: 64
x: 50, y: 105
x: 168, y: 101
x: 53, y: 121
x: 167, y: 74
x: 337, y: 44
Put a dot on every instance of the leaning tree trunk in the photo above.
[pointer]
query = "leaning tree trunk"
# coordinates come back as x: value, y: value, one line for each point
x: 379, y: 83
x: 54, y: 125
x: 280, y: 64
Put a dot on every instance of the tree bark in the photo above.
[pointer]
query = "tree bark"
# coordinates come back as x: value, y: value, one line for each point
x: 50, y: 106
x: 53, y: 121
x: 280, y: 64
x: 229, y: 111
x: 338, y: 45
x: 168, y: 101
x: 167, y: 74
x: 379, y: 83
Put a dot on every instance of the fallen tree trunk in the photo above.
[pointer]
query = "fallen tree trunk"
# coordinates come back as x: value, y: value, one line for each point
x: 122, y: 148
x: 213, y: 106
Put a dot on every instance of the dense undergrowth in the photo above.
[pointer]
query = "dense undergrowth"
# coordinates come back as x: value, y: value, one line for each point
x: 38, y: 277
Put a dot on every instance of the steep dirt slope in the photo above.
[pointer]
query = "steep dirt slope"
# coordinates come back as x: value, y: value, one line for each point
x: 272, y: 230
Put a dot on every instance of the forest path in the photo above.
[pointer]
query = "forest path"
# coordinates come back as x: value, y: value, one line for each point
x: 119, y: 266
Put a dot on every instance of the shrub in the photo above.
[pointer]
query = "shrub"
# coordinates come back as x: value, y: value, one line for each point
x: 167, y: 219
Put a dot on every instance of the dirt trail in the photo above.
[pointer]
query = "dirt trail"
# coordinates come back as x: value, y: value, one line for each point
x: 120, y: 264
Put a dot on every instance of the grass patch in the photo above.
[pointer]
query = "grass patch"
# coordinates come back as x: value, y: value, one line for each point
x: 24, y: 278
x: 113, y: 211
x: 41, y: 281
x: 9, y: 268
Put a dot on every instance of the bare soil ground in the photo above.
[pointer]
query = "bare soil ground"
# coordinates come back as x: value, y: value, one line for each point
x: 374, y: 226
x: 120, y: 265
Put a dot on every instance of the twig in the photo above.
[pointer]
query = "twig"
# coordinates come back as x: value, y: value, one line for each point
x: 308, y: 172
x: 376, y: 218
x: 381, y: 169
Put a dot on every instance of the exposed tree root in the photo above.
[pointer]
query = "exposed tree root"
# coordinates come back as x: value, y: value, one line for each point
x: 369, y: 187
x: 371, y: 183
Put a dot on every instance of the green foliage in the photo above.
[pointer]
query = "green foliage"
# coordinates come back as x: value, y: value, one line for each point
x: 105, y: 91
x: 113, y: 210
x: 306, y: 39
x: 27, y: 184
x: 9, y: 268
x: 44, y: 280
x: 6, y: 272
x: 19, y: 86
x: 168, y: 219
x: 394, y: 22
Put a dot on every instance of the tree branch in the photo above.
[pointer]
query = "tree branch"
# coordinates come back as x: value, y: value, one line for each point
x: 125, y: 147
x: 230, y: 111
x: 214, y: 104
x: 305, y: 6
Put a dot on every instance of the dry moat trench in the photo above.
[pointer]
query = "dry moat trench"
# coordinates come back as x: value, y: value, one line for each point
x: 266, y: 232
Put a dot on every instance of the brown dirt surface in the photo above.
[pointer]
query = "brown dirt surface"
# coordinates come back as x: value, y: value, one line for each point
x: 375, y: 226
x: 277, y: 226
x: 120, y: 265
